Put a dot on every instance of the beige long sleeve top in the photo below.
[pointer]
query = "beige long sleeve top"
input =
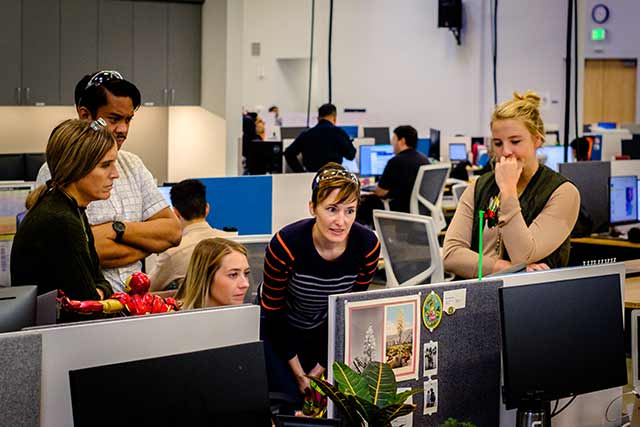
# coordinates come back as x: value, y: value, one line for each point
x: 524, y: 244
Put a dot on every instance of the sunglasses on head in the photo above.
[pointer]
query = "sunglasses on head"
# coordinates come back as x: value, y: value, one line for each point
x: 332, y: 173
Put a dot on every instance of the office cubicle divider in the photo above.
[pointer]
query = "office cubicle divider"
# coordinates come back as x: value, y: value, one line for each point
x: 20, y: 365
x: 464, y: 380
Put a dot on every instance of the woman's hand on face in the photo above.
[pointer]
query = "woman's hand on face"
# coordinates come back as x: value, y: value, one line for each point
x: 507, y: 173
x: 537, y: 267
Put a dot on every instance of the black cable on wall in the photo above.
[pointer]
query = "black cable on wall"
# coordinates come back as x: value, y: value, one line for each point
x: 575, y: 69
x: 567, y: 81
x: 495, y: 52
x: 313, y: 15
x: 330, y: 45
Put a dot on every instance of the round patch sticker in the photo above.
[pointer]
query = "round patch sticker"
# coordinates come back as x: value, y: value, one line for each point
x: 432, y: 311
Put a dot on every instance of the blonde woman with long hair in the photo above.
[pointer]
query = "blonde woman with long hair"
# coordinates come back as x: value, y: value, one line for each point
x: 217, y: 275
x: 535, y: 208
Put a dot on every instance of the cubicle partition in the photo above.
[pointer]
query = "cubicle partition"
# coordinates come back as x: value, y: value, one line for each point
x: 453, y: 331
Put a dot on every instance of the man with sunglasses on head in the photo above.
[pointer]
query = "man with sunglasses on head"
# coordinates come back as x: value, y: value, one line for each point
x: 136, y: 220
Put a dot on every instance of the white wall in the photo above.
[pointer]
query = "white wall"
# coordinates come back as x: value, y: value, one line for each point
x: 391, y: 58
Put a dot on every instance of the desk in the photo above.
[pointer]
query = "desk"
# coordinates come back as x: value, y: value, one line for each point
x: 594, y: 248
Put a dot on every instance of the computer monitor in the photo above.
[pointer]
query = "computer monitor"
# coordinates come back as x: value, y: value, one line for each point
x: 379, y: 134
x: 12, y: 203
x: 631, y: 147
x: 595, y: 146
x: 291, y: 132
x: 264, y: 157
x: 424, y: 146
x: 32, y: 164
x: 635, y: 344
x: 552, y: 155
x: 165, y: 190
x: 374, y: 158
x: 592, y: 180
x: 553, y: 346
x: 351, y: 165
x: 352, y: 131
x: 457, y: 152
x: 224, y: 386
x: 17, y: 307
x: 11, y: 167
x: 623, y: 199
x: 434, y: 136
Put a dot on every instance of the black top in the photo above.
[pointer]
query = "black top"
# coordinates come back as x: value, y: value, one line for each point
x: 320, y: 145
x: 399, y: 176
x: 54, y: 249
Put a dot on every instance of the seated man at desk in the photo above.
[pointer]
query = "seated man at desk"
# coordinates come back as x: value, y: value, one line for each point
x: 190, y: 205
x: 323, y: 143
x: 398, y: 177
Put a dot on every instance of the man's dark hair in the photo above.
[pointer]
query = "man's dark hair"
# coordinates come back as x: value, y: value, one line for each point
x: 190, y: 199
x: 273, y: 108
x: 94, y: 97
x: 409, y: 133
x: 581, y: 145
x: 326, y: 110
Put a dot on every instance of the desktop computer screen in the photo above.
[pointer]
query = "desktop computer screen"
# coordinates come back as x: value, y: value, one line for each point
x: 623, y: 199
x: 374, y: 158
x: 351, y: 165
x: 457, y: 152
x: 424, y: 146
x: 552, y: 155
x: 631, y: 147
x: 17, y: 307
x: 352, y: 131
x: 291, y: 132
x: 11, y: 167
x: 381, y: 135
x: 434, y: 136
x: 166, y: 193
x: 555, y: 332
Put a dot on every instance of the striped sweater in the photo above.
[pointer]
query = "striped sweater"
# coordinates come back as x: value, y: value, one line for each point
x: 298, y: 281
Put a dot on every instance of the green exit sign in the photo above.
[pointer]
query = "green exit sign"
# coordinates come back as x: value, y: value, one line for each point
x: 598, y: 34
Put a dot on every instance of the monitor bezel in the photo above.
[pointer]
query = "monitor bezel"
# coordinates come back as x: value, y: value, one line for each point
x: 635, y: 317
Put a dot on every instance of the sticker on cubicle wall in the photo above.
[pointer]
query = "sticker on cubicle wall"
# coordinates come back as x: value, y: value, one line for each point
x: 432, y: 311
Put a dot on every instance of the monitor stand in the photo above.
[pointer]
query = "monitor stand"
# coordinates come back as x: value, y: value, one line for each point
x: 534, y: 414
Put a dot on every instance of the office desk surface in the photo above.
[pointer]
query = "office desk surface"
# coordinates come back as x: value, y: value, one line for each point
x: 605, y: 242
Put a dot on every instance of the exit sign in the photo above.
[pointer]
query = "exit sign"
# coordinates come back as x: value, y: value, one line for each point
x: 598, y: 34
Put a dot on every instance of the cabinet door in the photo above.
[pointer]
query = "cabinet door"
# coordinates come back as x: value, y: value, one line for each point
x: 185, y: 40
x: 79, y: 44
x: 10, y: 52
x: 150, y: 47
x: 116, y: 37
x: 41, y: 52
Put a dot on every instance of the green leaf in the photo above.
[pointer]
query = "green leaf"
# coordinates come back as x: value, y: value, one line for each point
x: 388, y: 413
x: 367, y: 409
x: 349, y: 411
x: 349, y: 382
x: 381, y: 382
x: 402, y: 397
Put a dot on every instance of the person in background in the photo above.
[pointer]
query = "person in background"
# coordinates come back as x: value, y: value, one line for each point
x: 261, y: 129
x: 536, y: 207
x: 276, y: 115
x: 398, y: 177
x: 307, y: 261
x: 190, y: 205
x: 323, y: 143
x: 580, y: 148
x: 54, y: 246
x: 136, y: 220
x: 218, y: 274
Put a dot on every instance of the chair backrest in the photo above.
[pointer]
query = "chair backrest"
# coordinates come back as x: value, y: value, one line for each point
x: 457, y: 191
x: 426, y: 197
x: 410, y: 248
x: 256, y: 246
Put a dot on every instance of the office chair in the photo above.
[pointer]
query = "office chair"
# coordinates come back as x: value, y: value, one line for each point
x: 410, y: 248
x: 256, y: 245
x: 426, y: 197
x: 457, y: 191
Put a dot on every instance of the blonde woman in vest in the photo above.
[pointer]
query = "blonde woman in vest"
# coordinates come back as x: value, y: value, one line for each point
x: 535, y: 207
x: 217, y: 275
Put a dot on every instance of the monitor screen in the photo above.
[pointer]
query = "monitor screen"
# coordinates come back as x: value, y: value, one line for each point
x: 555, y: 332
x: 32, y: 164
x: 352, y: 131
x: 374, y: 158
x: 631, y: 147
x: 264, y: 157
x: 166, y: 193
x: 434, y: 136
x: 351, y: 165
x: 552, y: 155
x: 623, y: 199
x: 592, y: 180
x: 12, y: 200
x: 291, y: 132
x: 424, y: 146
x: 381, y: 135
x: 457, y: 152
x: 17, y: 307
x: 12, y: 167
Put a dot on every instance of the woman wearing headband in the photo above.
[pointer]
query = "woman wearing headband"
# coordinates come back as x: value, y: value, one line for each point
x: 531, y: 209
x: 309, y: 260
x: 53, y: 248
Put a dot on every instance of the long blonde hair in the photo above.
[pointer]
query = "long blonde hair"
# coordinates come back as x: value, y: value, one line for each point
x: 524, y: 107
x: 74, y: 149
x: 203, y: 265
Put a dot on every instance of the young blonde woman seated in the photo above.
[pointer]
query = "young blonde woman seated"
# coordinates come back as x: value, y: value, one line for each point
x: 537, y: 207
x: 217, y: 275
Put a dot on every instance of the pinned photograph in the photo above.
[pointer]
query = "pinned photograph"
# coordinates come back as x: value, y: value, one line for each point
x: 401, y: 339
x: 364, y: 335
x: 430, y: 397
x: 430, y: 357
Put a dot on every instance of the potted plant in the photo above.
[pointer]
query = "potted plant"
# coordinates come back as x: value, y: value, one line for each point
x: 369, y: 397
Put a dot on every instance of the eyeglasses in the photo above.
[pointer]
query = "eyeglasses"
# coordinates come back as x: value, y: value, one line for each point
x: 332, y: 173
x: 96, y: 125
x: 102, y: 77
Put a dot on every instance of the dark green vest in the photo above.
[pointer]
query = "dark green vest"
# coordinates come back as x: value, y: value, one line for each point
x: 532, y: 200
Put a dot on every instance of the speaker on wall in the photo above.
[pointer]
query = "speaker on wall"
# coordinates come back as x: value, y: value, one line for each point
x: 450, y: 13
